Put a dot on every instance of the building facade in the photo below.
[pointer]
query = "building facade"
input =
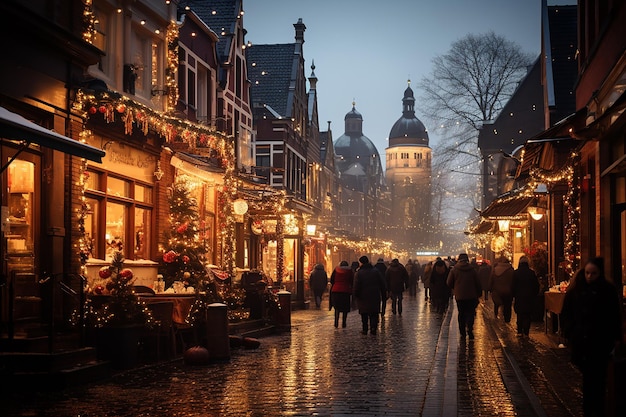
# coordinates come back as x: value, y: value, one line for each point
x: 408, y: 177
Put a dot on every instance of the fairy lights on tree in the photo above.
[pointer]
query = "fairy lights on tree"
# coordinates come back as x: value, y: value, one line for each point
x: 183, y: 250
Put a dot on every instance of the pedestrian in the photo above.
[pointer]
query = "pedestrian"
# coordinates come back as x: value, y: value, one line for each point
x: 341, y: 280
x: 463, y: 280
x: 413, y: 278
x: 369, y: 290
x: 439, y: 291
x: 382, y: 268
x: 484, y: 276
x: 525, y: 290
x: 318, y: 282
x: 355, y: 267
x: 397, y: 279
x: 501, y: 285
x: 591, y: 321
x: 426, y: 282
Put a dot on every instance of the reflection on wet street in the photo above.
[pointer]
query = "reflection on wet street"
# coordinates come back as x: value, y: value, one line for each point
x: 415, y: 366
x: 314, y: 370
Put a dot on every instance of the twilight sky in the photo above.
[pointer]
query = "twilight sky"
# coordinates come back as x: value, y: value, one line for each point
x: 366, y: 51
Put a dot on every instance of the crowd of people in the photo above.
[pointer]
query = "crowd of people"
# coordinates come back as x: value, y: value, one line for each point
x: 591, y: 316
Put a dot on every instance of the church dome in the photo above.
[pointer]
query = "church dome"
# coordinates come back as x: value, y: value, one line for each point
x: 408, y: 129
x: 358, y: 160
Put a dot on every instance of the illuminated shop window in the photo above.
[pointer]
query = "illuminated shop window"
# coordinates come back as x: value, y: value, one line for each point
x: 119, y: 218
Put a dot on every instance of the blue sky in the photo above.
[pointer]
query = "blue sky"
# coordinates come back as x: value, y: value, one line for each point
x: 366, y: 51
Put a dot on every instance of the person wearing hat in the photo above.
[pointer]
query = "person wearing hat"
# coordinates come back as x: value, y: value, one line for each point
x: 525, y: 290
x: 463, y: 280
x: 369, y: 290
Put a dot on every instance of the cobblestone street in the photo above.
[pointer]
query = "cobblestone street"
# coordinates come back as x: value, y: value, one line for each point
x: 408, y: 369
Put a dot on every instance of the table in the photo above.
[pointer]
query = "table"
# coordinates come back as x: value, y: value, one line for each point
x: 182, y: 304
x: 554, y: 304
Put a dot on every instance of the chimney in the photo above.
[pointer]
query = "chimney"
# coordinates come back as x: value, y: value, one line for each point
x: 300, y: 28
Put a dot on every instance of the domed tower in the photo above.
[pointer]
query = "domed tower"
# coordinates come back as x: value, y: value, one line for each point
x: 408, y: 176
x: 358, y: 160
x: 362, y: 179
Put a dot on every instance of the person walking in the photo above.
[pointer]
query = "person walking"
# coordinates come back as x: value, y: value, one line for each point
x: 413, y: 279
x: 439, y: 291
x: 369, y: 289
x: 484, y: 276
x: 525, y: 290
x: 397, y: 279
x: 341, y: 280
x: 591, y: 320
x: 382, y: 268
x: 425, y: 275
x: 318, y: 282
x: 501, y: 285
x: 463, y: 280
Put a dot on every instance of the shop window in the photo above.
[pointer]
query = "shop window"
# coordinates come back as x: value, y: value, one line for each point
x: 118, y: 187
x: 143, y: 193
x: 18, y: 225
x: 118, y: 219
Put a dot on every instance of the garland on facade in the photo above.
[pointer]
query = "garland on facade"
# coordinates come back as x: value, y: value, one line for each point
x: 89, y: 23
x: 571, y: 247
x: 171, y: 38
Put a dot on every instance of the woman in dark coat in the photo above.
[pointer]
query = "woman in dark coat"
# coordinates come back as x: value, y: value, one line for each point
x: 341, y: 281
x: 591, y: 321
x: 439, y: 290
x: 525, y: 290
x: 318, y: 281
x: 501, y: 284
x: 369, y: 290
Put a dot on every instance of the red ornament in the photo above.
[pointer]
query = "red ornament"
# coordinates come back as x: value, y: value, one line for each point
x: 98, y: 289
x: 185, y: 258
x: 102, y: 109
x: 126, y: 273
x: 92, y: 110
x: 121, y: 108
x: 105, y: 272
x: 182, y: 228
x: 170, y: 257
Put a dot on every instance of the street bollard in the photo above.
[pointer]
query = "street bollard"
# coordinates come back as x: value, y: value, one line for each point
x: 283, y: 315
x: 218, y: 343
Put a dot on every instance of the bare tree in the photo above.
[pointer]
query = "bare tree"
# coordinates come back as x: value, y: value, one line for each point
x: 468, y: 86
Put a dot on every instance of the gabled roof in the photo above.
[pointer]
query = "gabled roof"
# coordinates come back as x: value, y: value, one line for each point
x: 270, y: 70
x: 221, y: 16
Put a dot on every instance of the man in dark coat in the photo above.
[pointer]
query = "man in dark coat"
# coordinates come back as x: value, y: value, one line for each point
x: 525, y: 290
x: 369, y: 289
x: 463, y: 280
x: 318, y: 281
x: 397, y: 279
x: 382, y: 268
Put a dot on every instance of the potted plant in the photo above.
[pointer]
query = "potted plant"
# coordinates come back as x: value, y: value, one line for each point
x: 116, y: 315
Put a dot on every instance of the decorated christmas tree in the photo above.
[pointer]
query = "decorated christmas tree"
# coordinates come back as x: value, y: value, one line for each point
x: 183, y: 250
x: 122, y: 306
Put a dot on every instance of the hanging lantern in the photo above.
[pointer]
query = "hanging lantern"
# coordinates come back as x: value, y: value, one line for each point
x: 240, y: 207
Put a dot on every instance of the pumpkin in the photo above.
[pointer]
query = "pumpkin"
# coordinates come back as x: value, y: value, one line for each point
x: 196, y: 356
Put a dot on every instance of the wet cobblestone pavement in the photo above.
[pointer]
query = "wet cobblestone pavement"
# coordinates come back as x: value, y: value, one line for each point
x: 408, y: 369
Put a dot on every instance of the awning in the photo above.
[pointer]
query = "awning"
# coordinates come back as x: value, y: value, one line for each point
x: 14, y: 126
x: 507, y: 208
x: 485, y: 226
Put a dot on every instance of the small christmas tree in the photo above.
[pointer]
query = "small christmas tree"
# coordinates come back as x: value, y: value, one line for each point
x: 183, y: 250
x: 122, y: 307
